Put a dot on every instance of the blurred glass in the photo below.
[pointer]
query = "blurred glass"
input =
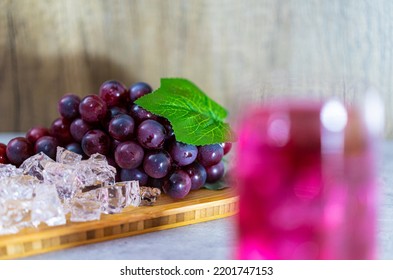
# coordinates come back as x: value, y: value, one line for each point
x: 307, y: 181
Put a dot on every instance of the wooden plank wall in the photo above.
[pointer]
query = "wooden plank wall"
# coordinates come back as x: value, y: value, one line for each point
x: 237, y: 51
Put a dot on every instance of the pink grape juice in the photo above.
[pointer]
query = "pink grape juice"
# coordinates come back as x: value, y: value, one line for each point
x: 306, y: 188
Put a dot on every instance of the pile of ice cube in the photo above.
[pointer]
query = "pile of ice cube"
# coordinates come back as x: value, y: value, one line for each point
x: 42, y: 190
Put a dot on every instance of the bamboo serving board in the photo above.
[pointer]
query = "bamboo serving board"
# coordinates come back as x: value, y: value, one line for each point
x: 199, y: 206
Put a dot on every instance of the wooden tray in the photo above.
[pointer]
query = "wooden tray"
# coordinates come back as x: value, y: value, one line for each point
x: 199, y: 206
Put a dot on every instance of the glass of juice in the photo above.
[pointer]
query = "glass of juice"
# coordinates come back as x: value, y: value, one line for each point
x: 306, y: 178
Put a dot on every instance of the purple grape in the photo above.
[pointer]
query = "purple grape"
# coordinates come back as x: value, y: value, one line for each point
x: 60, y: 129
x: 92, y: 109
x: 129, y: 155
x: 121, y: 127
x: 183, y: 154
x: 139, y: 114
x: 157, y: 164
x: 96, y: 141
x: 35, y: 133
x: 68, y: 106
x: 210, y: 154
x: 138, y: 90
x: 47, y: 145
x: 18, y: 150
x: 76, y: 148
x: 197, y: 175
x: 3, y: 154
x: 226, y: 146
x: 111, y: 113
x: 215, y: 172
x: 78, y: 129
x: 134, y: 174
x: 179, y: 185
x: 114, y: 93
x: 151, y: 134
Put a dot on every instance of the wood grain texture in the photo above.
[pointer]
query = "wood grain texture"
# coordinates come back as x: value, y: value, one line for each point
x: 199, y: 206
x: 237, y: 51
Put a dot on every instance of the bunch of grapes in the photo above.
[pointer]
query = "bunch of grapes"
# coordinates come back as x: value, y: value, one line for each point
x: 140, y: 145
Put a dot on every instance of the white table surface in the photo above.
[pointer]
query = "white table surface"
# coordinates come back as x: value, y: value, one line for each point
x: 214, y: 239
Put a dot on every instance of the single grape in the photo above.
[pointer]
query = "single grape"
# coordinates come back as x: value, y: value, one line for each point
x: 151, y: 134
x: 92, y: 109
x: 129, y: 155
x: 96, y: 141
x: 76, y: 148
x: 197, y: 175
x: 210, y: 154
x: 18, y: 150
x: 68, y: 106
x: 60, y: 129
x: 157, y: 164
x: 110, y: 114
x: 179, y: 185
x: 215, y: 172
x: 139, y: 89
x: 121, y: 127
x: 134, y: 174
x: 47, y: 145
x: 3, y: 154
x: 78, y: 129
x: 114, y: 93
x: 35, y: 133
x: 226, y: 146
x: 139, y: 114
x: 183, y: 154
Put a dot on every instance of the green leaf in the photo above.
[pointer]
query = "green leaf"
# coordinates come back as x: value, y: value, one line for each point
x: 196, y: 119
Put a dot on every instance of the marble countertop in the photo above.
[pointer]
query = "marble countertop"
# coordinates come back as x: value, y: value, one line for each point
x: 214, y: 239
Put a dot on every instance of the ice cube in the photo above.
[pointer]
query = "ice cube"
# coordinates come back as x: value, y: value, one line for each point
x: 67, y: 157
x: 84, y: 209
x: 35, y: 165
x: 47, y: 207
